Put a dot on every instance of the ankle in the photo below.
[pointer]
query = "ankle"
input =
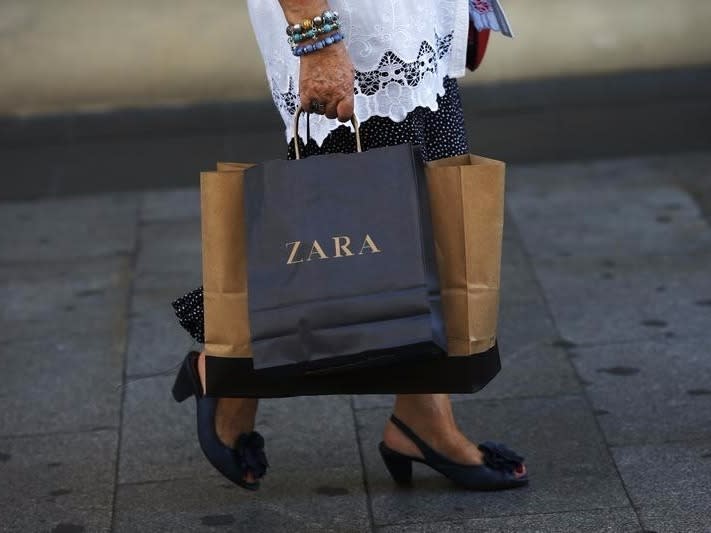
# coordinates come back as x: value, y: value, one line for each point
x: 430, y: 413
x: 235, y: 416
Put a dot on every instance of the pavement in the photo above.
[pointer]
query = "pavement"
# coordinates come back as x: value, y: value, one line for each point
x: 604, y: 330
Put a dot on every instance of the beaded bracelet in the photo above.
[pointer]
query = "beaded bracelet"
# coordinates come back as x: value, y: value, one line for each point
x: 313, y: 27
x: 305, y: 49
x: 313, y: 33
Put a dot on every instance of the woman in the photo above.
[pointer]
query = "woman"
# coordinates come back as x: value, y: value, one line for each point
x: 393, y: 63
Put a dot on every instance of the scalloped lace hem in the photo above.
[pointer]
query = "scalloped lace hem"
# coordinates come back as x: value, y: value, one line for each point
x: 365, y: 108
x: 393, y: 89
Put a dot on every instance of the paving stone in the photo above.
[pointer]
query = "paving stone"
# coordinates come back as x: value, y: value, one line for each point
x: 540, y: 178
x: 66, y: 384
x: 159, y: 438
x: 309, y: 432
x: 539, y: 370
x: 570, y: 467
x: 86, y: 297
x: 302, y: 500
x: 596, y: 219
x: 169, y: 265
x: 170, y: 256
x: 54, y: 480
x: 369, y: 401
x: 642, y: 298
x: 518, y: 278
x: 524, y: 322
x: 51, y: 230
x: 635, y: 176
x: 668, y: 484
x: 596, y: 521
x: 532, y: 357
x: 674, y: 376
x: 156, y: 342
x: 533, y: 362
x: 510, y: 229
x: 170, y: 205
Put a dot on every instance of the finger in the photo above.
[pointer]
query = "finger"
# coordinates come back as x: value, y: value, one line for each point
x: 332, y: 109
x: 316, y: 107
x: 305, y: 100
x: 308, y: 99
x: 345, y: 109
x: 312, y: 105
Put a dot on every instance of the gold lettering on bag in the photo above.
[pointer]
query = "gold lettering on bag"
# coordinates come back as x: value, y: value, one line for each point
x: 317, y: 248
x: 369, y: 243
x: 341, y: 248
x: 291, y: 261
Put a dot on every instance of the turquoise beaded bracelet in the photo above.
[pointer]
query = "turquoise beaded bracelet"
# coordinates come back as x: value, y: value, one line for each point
x: 313, y: 33
x: 305, y: 49
x: 311, y: 28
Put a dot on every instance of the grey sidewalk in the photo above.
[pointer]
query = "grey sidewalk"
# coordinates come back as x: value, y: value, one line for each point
x: 606, y: 307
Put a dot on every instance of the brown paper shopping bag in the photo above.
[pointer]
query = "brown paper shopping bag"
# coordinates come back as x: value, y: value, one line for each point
x: 224, y: 264
x: 467, y: 206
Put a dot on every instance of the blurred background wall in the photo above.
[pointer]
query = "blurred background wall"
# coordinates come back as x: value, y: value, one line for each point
x: 97, y: 54
x: 141, y: 94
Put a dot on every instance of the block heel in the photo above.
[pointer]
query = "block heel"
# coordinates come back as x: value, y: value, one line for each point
x: 399, y: 465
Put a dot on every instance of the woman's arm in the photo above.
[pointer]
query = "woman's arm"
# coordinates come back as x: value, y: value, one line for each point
x: 326, y: 75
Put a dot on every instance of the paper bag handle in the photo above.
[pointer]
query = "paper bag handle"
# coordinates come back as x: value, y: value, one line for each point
x: 300, y: 110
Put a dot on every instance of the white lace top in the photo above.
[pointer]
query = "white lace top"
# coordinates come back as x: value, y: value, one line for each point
x: 401, y: 51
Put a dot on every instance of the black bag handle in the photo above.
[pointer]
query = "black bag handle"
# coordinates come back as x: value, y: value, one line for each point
x: 300, y: 110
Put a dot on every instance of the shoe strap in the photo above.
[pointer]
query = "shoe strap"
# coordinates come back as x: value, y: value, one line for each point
x: 428, y: 453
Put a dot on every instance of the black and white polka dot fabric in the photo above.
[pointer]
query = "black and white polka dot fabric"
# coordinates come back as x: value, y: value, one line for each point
x: 440, y: 134
x: 190, y: 311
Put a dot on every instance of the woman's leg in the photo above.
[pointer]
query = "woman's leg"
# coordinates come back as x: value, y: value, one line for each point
x: 233, y: 415
x: 430, y: 416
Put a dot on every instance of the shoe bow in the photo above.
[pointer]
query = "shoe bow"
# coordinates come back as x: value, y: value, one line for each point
x: 250, y: 455
x: 499, y: 457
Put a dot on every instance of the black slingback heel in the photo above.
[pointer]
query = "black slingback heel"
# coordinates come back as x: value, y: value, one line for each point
x: 498, y: 471
x: 233, y: 463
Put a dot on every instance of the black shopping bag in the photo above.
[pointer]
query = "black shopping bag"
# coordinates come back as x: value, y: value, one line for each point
x: 340, y: 259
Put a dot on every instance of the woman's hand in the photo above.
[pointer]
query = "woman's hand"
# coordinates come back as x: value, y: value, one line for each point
x: 327, y: 77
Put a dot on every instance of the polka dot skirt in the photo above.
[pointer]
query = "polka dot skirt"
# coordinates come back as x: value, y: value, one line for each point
x: 190, y: 312
x: 440, y: 133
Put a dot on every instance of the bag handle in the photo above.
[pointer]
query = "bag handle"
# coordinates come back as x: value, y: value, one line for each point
x: 300, y: 110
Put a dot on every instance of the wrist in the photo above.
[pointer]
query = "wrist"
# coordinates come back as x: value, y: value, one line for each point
x: 297, y: 10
